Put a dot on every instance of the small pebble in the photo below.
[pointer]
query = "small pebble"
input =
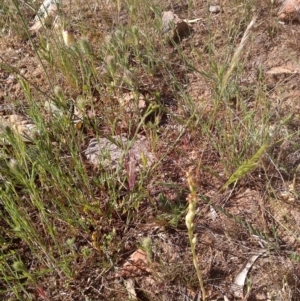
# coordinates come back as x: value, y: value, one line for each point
x: 215, y: 9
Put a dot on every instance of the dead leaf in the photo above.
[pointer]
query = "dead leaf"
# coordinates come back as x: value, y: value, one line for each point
x: 213, y: 213
x: 131, y: 103
x: 136, y: 265
x: 289, y: 10
x: 283, y: 70
x: 130, y: 286
x: 239, y: 280
x: 182, y: 30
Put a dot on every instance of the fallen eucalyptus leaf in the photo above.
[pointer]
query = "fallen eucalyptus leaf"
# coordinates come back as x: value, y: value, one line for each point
x: 130, y: 286
x: 239, y: 280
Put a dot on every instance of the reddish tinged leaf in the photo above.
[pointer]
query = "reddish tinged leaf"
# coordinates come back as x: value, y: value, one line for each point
x: 136, y: 265
x: 41, y: 292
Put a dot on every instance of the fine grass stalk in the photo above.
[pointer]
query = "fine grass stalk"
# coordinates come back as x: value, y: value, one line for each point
x: 236, y: 56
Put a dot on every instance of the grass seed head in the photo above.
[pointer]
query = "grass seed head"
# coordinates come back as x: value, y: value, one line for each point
x: 68, y: 38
